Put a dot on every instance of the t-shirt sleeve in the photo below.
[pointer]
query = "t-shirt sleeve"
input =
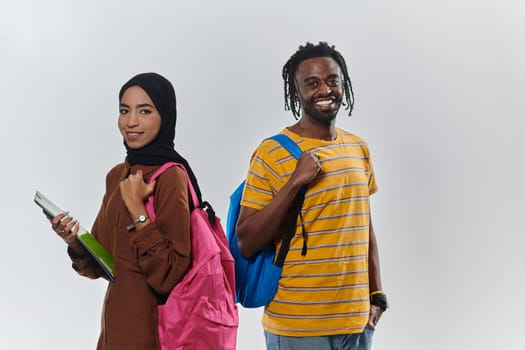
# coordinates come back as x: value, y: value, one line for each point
x: 259, y: 191
x: 372, y: 185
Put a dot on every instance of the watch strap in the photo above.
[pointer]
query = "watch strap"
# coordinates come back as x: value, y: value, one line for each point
x: 140, y: 218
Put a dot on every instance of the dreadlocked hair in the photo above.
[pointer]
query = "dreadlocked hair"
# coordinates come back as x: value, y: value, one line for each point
x: 305, y: 52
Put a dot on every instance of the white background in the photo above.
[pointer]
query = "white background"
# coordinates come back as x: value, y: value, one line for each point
x: 439, y: 87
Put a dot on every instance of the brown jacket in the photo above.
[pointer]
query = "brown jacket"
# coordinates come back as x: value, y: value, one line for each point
x: 148, y: 263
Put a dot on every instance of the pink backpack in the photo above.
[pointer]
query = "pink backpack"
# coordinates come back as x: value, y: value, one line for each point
x: 200, y: 312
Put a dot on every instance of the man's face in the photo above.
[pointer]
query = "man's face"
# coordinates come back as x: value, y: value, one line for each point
x: 319, y: 88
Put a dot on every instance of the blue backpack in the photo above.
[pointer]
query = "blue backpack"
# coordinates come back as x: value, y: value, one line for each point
x: 257, y: 278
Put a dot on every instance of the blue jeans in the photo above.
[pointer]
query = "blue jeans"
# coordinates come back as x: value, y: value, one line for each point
x: 357, y: 341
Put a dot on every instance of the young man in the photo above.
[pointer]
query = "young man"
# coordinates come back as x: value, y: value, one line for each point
x: 330, y: 294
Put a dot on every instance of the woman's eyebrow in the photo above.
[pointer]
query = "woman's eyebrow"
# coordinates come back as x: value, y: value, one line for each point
x: 138, y: 106
x: 144, y: 105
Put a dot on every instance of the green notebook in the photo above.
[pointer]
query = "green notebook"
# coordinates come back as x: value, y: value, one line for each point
x: 97, y: 251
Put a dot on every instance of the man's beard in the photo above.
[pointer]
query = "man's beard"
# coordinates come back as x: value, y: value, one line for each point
x: 320, y: 117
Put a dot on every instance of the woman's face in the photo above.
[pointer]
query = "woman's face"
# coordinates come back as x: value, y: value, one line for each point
x: 139, y: 121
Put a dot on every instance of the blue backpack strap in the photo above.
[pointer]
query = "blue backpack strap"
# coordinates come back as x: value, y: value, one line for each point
x: 292, y: 148
x: 289, y: 144
x: 295, y: 151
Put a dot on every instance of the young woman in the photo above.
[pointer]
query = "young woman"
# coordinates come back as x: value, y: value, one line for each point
x: 150, y: 258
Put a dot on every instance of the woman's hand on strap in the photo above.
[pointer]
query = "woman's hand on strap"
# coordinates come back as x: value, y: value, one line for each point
x: 134, y: 192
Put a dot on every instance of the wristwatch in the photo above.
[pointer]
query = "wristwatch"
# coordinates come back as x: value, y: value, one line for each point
x: 140, y: 218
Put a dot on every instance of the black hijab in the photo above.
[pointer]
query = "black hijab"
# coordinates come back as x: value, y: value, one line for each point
x: 161, y: 149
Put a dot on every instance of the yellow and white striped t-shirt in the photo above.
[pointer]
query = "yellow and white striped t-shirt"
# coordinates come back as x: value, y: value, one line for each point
x: 326, y: 291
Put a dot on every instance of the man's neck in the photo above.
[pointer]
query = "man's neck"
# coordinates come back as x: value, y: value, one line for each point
x: 305, y: 128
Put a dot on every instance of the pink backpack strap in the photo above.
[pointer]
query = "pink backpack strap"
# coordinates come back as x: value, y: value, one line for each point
x: 149, y: 204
